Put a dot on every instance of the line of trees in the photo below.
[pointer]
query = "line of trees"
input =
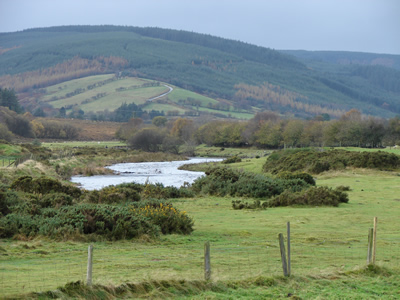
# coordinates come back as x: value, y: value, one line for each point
x: 265, y: 130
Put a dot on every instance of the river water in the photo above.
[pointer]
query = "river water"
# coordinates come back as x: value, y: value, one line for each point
x: 166, y: 173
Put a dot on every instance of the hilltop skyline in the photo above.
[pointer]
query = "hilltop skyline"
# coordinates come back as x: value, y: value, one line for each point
x: 356, y: 25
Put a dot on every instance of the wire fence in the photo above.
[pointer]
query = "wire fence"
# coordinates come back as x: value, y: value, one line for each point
x: 131, y: 262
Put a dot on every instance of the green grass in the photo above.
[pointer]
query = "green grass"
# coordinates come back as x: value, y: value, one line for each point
x: 181, y: 94
x: 238, y: 115
x: 71, y: 144
x: 329, y: 249
x: 61, y: 89
x: 113, y: 99
x: 163, y: 107
x: 325, y: 240
x: 387, y: 149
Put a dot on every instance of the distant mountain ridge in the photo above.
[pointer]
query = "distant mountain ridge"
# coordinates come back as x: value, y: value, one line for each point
x: 297, y: 83
x: 347, y: 58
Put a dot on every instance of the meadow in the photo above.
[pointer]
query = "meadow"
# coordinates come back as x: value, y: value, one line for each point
x: 106, y: 92
x: 328, y: 244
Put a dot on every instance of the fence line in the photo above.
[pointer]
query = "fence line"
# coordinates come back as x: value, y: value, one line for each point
x: 130, y: 262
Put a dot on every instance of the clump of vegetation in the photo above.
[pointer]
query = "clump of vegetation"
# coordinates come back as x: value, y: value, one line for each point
x: 312, y: 196
x: 169, y: 219
x: 316, y: 162
x: 159, y: 191
x: 44, y: 206
x: 226, y: 181
x: 315, y: 196
x: 257, y: 204
x: 112, y: 222
x: 297, y: 175
x: 231, y: 160
x: 44, y: 185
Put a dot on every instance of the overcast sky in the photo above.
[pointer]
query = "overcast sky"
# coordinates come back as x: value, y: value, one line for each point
x: 349, y: 25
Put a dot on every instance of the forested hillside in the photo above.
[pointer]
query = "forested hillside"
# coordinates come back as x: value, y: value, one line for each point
x: 224, y: 70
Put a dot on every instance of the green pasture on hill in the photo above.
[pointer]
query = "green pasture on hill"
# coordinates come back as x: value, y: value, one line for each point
x: 111, y: 98
x: 111, y: 94
x: 163, y: 107
x: 61, y: 89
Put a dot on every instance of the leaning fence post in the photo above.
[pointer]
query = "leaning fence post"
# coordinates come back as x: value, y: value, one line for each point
x: 370, y: 243
x: 207, y: 261
x: 283, y: 254
x: 374, y: 240
x: 288, y: 249
x: 89, y: 266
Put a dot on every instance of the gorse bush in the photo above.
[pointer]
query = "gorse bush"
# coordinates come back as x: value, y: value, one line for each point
x: 312, y: 196
x: 112, y: 222
x: 113, y: 195
x: 316, y: 162
x: 231, y: 160
x: 296, y: 175
x: 44, y: 206
x: 44, y: 185
x: 225, y: 181
x: 315, y: 196
x: 168, y: 218
x: 158, y: 191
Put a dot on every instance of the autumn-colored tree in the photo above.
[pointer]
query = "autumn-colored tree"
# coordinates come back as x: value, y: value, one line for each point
x: 313, y: 134
x: 148, y: 139
x: 183, y: 129
x: 269, y: 135
x: 292, y: 133
x: 159, y: 121
x: 130, y: 128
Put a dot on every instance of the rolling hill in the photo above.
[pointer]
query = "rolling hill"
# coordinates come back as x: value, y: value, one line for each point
x: 235, y: 78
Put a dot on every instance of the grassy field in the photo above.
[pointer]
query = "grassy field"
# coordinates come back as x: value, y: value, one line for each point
x: 181, y: 94
x: 329, y: 249
x: 107, y: 93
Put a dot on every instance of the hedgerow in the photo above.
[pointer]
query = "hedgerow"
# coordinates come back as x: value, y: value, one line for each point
x: 316, y: 162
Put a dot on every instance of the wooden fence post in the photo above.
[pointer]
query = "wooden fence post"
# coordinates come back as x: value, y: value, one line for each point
x: 288, y: 249
x: 283, y: 254
x: 207, y: 261
x: 370, y: 243
x: 374, y: 240
x: 89, y: 266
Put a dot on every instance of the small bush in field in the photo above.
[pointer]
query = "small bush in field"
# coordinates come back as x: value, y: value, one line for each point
x: 113, y: 195
x: 44, y: 185
x: 231, y: 160
x: 297, y: 175
x: 159, y: 191
x: 168, y: 218
x: 257, y: 204
x: 225, y: 181
x: 315, y: 196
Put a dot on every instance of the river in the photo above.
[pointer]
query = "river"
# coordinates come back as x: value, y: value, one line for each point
x: 166, y: 173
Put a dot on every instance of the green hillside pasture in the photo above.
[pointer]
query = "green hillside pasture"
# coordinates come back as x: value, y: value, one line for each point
x: 233, y: 114
x: 112, y: 100
x: 181, y: 94
x: 324, y: 241
x: 61, y: 89
x: 163, y: 107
